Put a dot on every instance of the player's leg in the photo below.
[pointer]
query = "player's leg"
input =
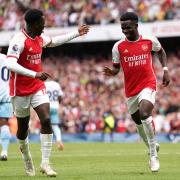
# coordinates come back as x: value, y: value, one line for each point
x: 57, y: 133
x: 145, y: 111
x: 56, y: 129
x: 133, y: 108
x: 140, y: 129
x: 22, y: 136
x: 6, y: 112
x: 21, y: 107
x: 46, y: 137
x: 40, y: 103
x: 146, y: 100
x: 5, y: 138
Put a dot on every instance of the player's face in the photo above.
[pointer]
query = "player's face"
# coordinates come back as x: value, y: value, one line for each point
x: 129, y: 28
x: 39, y: 26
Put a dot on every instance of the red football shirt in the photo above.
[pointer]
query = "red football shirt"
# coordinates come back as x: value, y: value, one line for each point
x: 136, y: 62
x: 28, y: 51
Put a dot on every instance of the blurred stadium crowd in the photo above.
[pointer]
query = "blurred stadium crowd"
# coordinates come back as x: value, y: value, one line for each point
x: 63, y: 13
x: 88, y: 94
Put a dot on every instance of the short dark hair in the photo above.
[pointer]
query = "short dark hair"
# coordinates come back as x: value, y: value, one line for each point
x: 129, y: 16
x: 33, y: 15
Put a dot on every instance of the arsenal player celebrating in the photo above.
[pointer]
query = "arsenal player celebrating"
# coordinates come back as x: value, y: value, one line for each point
x: 133, y: 55
x: 27, y: 86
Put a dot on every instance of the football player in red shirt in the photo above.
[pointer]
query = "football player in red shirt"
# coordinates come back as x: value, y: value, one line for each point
x: 133, y: 55
x: 27, y: 87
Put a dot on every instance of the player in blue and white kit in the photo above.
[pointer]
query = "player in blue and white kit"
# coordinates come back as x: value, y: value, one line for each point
x: 6, y: 110
x: 55, y: 96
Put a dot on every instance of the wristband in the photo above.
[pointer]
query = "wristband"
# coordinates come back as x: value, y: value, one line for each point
x: 165, y: 68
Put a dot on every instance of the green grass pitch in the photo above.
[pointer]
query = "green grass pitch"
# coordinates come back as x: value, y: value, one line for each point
x: 97, y: 161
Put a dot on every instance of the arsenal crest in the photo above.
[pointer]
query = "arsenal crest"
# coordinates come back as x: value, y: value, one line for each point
x: 145, y: 47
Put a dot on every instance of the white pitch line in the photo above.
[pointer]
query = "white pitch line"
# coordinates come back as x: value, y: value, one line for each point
x: 14, y: 156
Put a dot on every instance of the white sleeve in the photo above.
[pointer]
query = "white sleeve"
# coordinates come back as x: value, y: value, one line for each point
x: 47, y: 40
x: 11, y: 64
x: 115, y: 54
x: 156, y: 46
x: 16, y: 47
x: 58, y: 40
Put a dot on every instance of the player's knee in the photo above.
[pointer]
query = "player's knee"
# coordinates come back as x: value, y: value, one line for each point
x: 144, y: 115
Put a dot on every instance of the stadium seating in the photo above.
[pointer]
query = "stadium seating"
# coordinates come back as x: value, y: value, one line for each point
x: 67, y: 13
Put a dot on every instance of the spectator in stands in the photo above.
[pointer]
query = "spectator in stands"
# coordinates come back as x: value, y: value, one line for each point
x: 109, y: 123
x: 69, y: 13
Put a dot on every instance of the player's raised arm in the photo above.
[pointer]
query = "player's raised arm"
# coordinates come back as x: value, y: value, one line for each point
x: 61, y: 39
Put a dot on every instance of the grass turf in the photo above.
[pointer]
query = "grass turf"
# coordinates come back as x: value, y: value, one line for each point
x: 97, y: 161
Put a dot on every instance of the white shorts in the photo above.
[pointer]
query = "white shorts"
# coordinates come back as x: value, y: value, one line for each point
x: 21, y: 104
x: 133, y: 102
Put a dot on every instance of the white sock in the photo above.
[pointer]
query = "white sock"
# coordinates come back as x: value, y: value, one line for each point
x: 57, y: 132
x: 149, y: 130
x: 5, y: 138
x: 141, y: 132
x: 24, y: 148
x: 46, y: 146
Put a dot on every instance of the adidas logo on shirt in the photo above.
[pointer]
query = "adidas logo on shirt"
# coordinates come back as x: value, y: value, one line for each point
x: 125, y: 51
x: 30, y: 49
